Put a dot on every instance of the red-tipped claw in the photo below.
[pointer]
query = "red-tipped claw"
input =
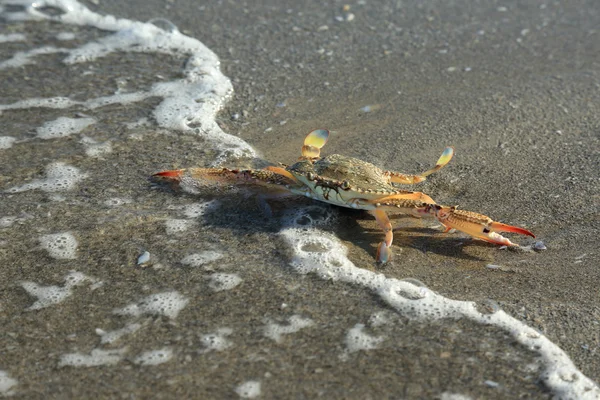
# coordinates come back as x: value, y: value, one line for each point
x: 477, y: 225
x: 173, y: 174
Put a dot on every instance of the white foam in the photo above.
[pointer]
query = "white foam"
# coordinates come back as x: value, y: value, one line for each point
x: 96, y: 358
x: 117, y: 201
x: 95, y: 149
x: 51, y: 295
x: 62, y: 246
x: 217, y: 341
x: 454, y: 396
x: 248, y: 390
x: 175, y: 226
x: 7, y: 384
x: 65, y: 36
x: 322, y: 254
x: 154, y: 357
x: 196, y: 210
x: 12, y: 37
x: 63, y: 127
x: 357, y: 340
x: 189, y: 104
x: 379, y: 318
x: 59, y: 177
x: 6, y: 142
x: 114, y: 336
x: 167, y: 303
x: 6, y: 222
x: 22, y: 58
x: 295, y: 323
x: 199, y: 259
x: 221, y: 281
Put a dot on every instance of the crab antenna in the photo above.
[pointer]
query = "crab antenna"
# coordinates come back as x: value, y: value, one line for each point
x: 443, y: 160
x: 313, y: 143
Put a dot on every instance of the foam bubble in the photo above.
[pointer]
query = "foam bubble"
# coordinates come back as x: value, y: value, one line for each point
x: 59, y: 176
x: 217, y: 341
x: 295, y: 323
x: 321, y: 253
x: 62, y: 246
x: 357, y: 340
x: 196, y: 210
x: 96, y: 358
x: 22, y: 58
x: 248, y: 390
x: 6, y: 222
x: 117, y: 201
x: 175, y: 226
x: 65, y: 36
x: 167, y: 303
x: 220, y: 281
x: 454, y: 396
x: 114, y: 336
x: 7, y: 384
x: 154, y: 357
x: 6, y: 142
x: 95, y: 149
x: 63, y: 127
x: 12, y: 37
x: 51, y: 295
x: 199, y: 259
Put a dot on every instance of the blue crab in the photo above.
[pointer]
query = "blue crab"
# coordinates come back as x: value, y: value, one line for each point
x: 353, y: 183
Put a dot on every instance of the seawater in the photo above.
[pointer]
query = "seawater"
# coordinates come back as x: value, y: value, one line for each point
x: 188, y: 105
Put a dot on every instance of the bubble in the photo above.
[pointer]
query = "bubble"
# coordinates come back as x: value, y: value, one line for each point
x: 62, y: 246
x: 357, y: 340
x: 175, y: 226
x: 216, y: 341
x: 97, y: 358
x: 248, y: 390
x: 199, y: 259
x: 7, y: 384
x: 6, y: 142
x: 295, y: 323
x: 167, y: 303
x: 59, y: 177
x: 154, y: 357
x: 220, y: 281
x: 63, y: 127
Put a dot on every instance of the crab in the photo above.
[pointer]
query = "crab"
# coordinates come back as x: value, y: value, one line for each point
x: 353, y: 183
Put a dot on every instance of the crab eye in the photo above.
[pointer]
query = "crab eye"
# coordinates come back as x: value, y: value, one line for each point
x: 310, y: 176
x: 345, y: 185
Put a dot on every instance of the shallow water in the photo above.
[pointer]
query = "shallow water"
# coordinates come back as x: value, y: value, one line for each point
x: 229, y: 302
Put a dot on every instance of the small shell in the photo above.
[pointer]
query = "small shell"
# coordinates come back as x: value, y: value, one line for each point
x: 143, y: 258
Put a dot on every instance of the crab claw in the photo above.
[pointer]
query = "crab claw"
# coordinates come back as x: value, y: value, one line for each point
x: 477, y: 225
x: 175, y: 174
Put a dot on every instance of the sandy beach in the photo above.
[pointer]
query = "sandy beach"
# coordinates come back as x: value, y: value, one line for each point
x: 513, y: 86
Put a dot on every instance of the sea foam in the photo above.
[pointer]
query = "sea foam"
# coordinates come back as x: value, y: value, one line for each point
x: 59, y: 177
x: 189, y: 105
x: 322, y: 254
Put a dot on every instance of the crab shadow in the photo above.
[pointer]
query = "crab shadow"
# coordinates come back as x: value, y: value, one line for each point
x: 406, y: 235
x: 244, y: 212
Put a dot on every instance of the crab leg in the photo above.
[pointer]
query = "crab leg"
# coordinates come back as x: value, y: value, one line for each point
x: 269, y: 175
x: 477, y: 225
x: 397, y: 177
x: 384, y: 253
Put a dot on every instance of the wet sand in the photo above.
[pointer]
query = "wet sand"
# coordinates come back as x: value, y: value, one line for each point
x: 514, y: 87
